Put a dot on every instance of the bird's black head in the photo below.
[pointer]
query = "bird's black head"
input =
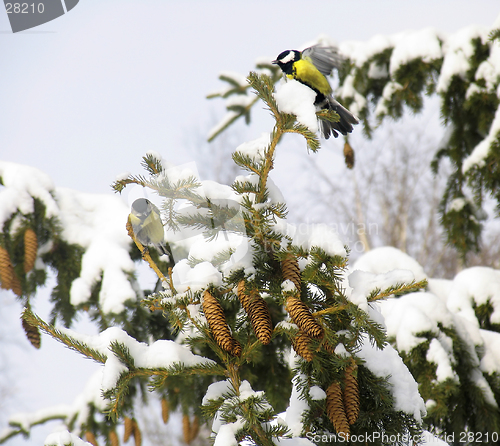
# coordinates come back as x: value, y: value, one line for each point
x: 140, y: 207
x: 286, y: 59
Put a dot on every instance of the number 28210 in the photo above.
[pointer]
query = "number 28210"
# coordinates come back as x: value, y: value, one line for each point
x: 24, y: 8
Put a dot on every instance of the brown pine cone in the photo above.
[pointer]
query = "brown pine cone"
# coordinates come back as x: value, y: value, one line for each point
x: 335, y: 409
x: 129, y: 428
x: 90, y: 438
x: 237, y: 349
x: 243, y: 296
x: 195, y: 427
x: 165, y: 410
x: 218, y: 325
x: 186, y: 429
x: 113, y: 438
x: 32, y: 333
x: 16, y: 285
x: 6, y: 269
x: 301, y: 315
x: 30, y: 249
x: 301, y: 346
x: 258, y: 313
x: 351, y: 393
x: 136, y: 432
x: 348, y: 155
x: 290, y: 269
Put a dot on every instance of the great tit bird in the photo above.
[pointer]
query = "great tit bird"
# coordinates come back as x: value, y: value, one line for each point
x: 147, y: 225
x: 310, y: 67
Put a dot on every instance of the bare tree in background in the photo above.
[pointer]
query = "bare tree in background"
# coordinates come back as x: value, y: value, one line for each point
x: 391, y: 198
x: 213, y: 159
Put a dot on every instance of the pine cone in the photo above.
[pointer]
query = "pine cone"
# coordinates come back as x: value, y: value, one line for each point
x: 348, y: 155
x: 186, y: 429
x: 301, y: 315
x: 165, y: 410
x: 218, y: 326
x: 351, y: 393
x: 195, y: 427
x: 329, y: 348
x: 30, y: 249
x: 237, y: 349
x: 6, y: 269
x: 335, y: 409
x: 301, y: 346
x: 258, y: 313
x: 90, y: 437
x: 113, y: 438
x: 243, y: 296
x: 137, y: 433
x: 32, y: 333
x: 290, y: 269
x: 129, y: 428
x: 16, y: 285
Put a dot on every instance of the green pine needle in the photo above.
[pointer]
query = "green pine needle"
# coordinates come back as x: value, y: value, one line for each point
x: 62, y: 337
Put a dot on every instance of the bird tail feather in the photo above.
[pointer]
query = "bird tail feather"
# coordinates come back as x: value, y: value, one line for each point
x: 344, y: 125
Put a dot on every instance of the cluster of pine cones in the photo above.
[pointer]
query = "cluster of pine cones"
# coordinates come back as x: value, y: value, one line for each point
x: 10, y: 281
x: 342, y: 402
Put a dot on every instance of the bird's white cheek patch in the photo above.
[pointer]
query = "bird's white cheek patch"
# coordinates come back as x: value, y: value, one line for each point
x: 289, y: 57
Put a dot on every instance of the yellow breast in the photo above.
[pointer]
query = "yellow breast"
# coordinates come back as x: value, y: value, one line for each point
x: 308, y: 74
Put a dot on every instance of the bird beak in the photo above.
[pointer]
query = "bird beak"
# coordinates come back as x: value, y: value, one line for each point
x: 274, y: 62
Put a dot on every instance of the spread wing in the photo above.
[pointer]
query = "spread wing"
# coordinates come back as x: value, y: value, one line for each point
x: 324, y: 58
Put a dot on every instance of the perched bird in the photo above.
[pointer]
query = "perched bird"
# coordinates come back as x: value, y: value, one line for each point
x: 310, y: 67
x: 147, y: 225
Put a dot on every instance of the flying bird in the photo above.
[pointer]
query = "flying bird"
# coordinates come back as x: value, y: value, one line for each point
x: 310, y: 67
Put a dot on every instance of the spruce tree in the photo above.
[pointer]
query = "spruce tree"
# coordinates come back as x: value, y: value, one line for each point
x: 260, y: 340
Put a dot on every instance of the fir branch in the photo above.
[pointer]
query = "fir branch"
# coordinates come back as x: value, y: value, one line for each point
x: 494, y: 34
x: 179, y: 369
x: 234, y: 88
x: 181, y: 189
x: 170, y: 214
x: 311, y: 138
x: 159, y: 374
x: 119, y: 185
x: 264, y: 87
x: 328, y: 115
x: 67, y: 340
x: 171, y: 281
x: 245, y: 187
x: 396, y: 290
x: 18, y: 422
x: 233, y: 115
x: 268, y: 165
x: 247, y: 162
x: 122, y: 352
x: 152, y: 164
x: 9, y: 432
x: 331, y: 310
x: 238, y: 88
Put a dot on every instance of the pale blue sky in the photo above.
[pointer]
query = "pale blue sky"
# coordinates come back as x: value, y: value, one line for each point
x: 85, y: 96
